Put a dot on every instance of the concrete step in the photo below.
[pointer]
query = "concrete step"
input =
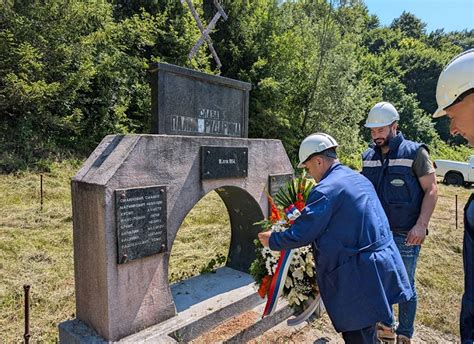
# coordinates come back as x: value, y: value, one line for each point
x: 202, y: 303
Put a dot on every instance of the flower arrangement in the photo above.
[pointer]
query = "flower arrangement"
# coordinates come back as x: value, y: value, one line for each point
x: 299, y: 283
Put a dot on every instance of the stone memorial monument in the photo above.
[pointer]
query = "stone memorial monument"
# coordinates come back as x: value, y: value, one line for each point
x: 133, y: 192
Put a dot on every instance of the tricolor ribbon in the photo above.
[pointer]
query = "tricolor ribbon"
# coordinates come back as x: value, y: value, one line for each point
x: 278, y: 281
x: 292, y: 213
x: 279, y: 277
x: 276, y: 287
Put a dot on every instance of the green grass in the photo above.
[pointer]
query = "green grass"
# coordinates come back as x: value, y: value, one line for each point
x: 440, y: 275
x: 36, y: 249
x: 203, y: 240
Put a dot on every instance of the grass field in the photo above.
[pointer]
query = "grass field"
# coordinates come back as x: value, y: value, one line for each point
x: 36, y: 249
x: 440, y: 275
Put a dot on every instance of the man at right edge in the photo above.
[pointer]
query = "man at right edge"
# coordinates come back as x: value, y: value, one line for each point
x: 455, y: 97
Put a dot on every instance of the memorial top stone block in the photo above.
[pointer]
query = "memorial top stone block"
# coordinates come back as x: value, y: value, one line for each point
x: 188, y: 102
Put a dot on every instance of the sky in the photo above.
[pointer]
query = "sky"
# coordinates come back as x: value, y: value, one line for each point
x: 450, y: 15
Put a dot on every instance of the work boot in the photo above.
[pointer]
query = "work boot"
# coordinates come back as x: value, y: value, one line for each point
x: 401, y: 339
x: 386, y: 334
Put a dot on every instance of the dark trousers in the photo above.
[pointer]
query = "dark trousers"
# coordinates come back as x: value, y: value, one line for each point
x: 467, y: 321
x: 367, y: 335
x: 467, y: 307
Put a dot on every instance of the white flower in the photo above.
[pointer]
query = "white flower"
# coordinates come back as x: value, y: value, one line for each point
x: 310, y: 271
x: 302, y: 297
x: 299, y: 282
x: 301, y: 261
x: 298, y: 273
x: 293, y: 297
x: 268, y: 266
x: 280, y: 226
x: 275, y: 255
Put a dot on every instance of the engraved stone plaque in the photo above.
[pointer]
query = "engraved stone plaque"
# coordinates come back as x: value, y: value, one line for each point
x: 276, y: 181
x: 223, y: 162
x: 141, y: 222
x: 188, y: 102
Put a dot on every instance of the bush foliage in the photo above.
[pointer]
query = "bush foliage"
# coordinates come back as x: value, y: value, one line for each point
x: 73, y: 72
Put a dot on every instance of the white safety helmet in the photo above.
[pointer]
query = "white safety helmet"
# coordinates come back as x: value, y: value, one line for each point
x: 315, y: 143
x: 455, y: 79
x: 381, y: 114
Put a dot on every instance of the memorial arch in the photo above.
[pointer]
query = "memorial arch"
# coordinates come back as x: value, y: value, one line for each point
x: 133, y: 192
x: 119, y: 292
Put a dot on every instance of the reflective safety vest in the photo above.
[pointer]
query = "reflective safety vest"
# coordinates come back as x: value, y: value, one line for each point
x: 398, y: 189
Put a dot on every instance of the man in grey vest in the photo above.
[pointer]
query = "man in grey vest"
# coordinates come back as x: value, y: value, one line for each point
x: 455, y: 97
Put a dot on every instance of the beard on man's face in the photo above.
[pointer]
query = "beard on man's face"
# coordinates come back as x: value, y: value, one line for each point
x: 381, y: 142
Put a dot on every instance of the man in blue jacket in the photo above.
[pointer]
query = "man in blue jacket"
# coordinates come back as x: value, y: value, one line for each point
x: 455, y: 97
x: 404, y: 179
x: 359, y: 271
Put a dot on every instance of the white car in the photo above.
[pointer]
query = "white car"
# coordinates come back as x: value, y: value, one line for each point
x: 455, y: 172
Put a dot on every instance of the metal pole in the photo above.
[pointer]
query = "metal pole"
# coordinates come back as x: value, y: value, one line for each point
x: 456, y: 211
x: 26, y: 288
x: 41, y: 191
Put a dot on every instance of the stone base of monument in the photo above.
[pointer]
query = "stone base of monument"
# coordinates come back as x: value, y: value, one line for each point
x: 202, y: 303
x: 249, y: 325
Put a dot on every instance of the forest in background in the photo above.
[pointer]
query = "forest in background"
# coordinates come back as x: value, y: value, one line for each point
x: 72, y: 72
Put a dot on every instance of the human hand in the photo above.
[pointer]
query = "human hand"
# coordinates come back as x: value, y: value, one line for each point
x: 264, y: 237
x: 416, y: 236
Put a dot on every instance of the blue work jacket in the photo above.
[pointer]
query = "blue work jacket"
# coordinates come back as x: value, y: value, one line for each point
x: 398, y: 188
x: 359, y: 270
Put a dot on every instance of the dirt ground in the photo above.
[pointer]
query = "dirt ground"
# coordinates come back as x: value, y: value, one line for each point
x: 319, y: 331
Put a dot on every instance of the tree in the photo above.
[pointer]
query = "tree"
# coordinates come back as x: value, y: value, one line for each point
x: 309, y: 77
x: 70, y: 74
x: 409, y: 25
x: 396, y: 56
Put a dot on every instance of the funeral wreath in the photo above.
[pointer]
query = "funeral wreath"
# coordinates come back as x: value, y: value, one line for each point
x: 291, y: 273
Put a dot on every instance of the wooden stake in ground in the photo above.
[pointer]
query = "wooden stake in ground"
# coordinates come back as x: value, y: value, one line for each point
x: 456, y: 205
x: 26, y: 336
x: 41, y: 192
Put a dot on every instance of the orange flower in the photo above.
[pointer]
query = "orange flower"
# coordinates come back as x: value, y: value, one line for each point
x: 265, y: 286
x: 275, y: 214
